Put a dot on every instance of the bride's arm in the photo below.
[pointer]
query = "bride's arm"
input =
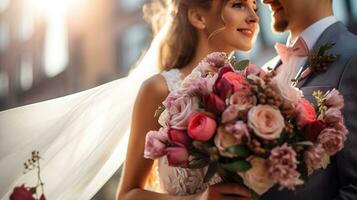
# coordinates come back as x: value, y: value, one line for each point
x: 136, y: 167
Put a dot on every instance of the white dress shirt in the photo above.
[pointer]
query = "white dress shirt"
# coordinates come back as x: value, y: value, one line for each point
x: 310, y: 35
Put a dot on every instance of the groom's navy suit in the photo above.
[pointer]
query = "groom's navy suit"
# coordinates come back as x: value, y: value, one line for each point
x: 339, y: 180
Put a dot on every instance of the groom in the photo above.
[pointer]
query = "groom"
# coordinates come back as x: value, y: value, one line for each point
x: 311, y: 25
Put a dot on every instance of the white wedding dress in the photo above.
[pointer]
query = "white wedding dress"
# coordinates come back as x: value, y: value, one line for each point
x: 177, y: 180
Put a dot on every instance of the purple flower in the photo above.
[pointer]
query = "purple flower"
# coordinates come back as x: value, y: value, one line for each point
x: 334, y: 99
x: 155, y: 143
x: 282, y: 164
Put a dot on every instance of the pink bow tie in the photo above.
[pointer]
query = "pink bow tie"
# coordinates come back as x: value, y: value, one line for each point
x: 299, y: 49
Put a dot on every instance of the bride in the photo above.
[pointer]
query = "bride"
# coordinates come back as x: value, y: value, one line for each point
x: 82, y: 137
x: 197, y: 28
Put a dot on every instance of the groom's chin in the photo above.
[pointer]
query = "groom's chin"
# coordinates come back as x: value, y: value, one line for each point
x: 280, y: 26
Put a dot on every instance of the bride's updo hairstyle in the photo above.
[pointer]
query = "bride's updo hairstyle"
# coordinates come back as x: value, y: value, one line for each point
x: 179, y: 44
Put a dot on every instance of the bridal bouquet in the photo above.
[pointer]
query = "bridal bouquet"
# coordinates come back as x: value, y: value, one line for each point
x: 242, y: 124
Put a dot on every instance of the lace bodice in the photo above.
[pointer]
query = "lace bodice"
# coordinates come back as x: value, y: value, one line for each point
x: 177, y: 180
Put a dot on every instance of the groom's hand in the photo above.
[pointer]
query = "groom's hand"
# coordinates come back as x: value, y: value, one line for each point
x: 225, y: 191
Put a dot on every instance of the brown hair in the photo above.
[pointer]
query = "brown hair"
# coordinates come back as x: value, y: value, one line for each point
x: 177, y: 47
x: 179, y: 44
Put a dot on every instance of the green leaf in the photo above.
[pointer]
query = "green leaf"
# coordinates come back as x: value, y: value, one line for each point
x: 198, y: 164
x: 197, y: 154
x: 237, y: 166
x: 212, y: 169
x: 158, y: 111
x: 324, y: 48
x: 241, y: 65
x: 239, y: 150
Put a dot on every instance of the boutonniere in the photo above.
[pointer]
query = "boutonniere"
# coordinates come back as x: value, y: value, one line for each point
x: 318, y: 63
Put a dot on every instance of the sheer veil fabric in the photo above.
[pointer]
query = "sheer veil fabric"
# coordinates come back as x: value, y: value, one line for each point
x: 82, y: 138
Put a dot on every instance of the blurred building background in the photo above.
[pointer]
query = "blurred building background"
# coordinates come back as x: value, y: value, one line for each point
x: 52, y: 48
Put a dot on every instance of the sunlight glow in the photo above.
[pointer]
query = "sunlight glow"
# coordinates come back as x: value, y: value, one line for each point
x: 50, y: 7
x: 4, y: 4
x: 56, y: 53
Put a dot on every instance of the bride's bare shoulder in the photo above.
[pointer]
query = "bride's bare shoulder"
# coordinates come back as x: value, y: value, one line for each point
x: 155, y: 86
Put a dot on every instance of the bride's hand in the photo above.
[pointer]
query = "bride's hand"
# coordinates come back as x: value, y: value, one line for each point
x: 225, y: 191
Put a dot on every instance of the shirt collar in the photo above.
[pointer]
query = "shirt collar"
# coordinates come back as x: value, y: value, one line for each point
x: 312, y: 33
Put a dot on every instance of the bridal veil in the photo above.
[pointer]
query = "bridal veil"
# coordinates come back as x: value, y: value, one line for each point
x: 82, y: 138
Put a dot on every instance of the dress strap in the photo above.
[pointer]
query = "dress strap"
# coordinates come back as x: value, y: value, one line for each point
x: 173, y: 78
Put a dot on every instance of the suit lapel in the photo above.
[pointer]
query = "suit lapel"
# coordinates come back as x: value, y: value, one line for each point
x: 278, y: 64
x: 302, y: 68
x: 327, y: 36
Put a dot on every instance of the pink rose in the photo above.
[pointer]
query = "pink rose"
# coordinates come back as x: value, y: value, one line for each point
x: 266, y: 121
x: 313, y: 130
x: 201, y: 127
x: 230, y: 113
x: 181, y: 110
x: 333, y: 115
x: 205, y: 85
x: 164, y: 118
x: 341, y: 128
x: 331, y: 140
x: 257, y: 178
x: 334, y: 99
x: 206, y: 68
x: 216, y: 58
x: 315, y: 158
x: 190, y: 84
x: 239, y: 131
x: 155, y: 143
x: 222, y: 87
x: 214, y: 104
x: 177, y: 156
x: 223, y: 140
x: 237, y: 80
x: 305, y: 113
x: 254, y: 70
x: 290, y: 95
x: 197, y: 83
x: 243, y: 100
x: 179, y: 137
